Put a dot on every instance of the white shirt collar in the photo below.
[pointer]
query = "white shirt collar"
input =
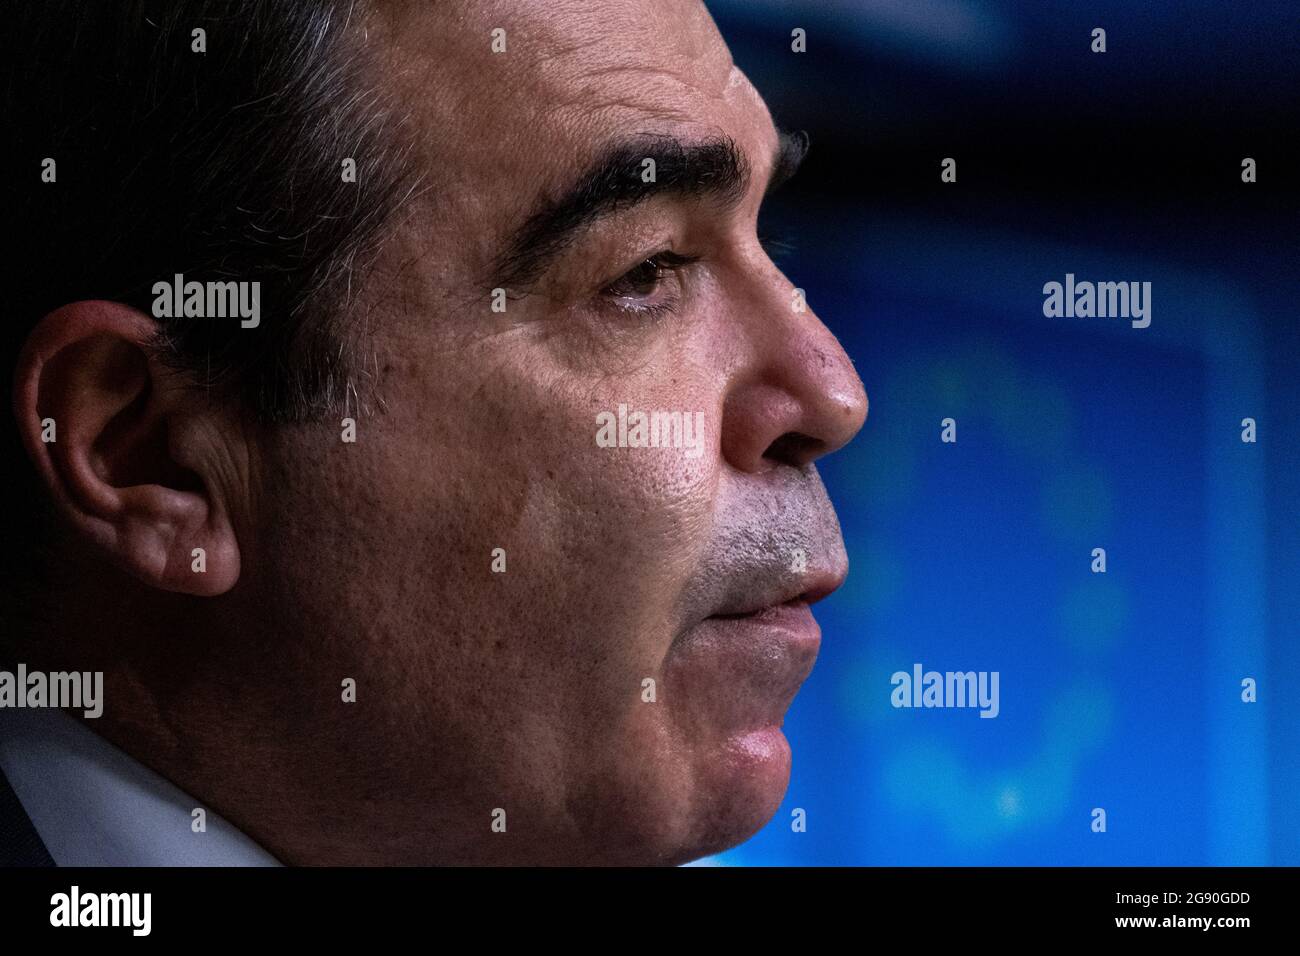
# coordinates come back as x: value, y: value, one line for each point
x: 95, y: 806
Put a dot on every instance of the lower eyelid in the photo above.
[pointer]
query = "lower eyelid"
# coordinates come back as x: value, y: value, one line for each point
x: 649, y: 312
x: 643, y: 309
x: 632, y: 304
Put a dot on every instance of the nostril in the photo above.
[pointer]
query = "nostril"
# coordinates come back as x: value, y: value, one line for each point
x: 795, y: 448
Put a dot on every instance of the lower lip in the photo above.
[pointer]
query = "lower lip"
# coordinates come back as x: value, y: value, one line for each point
x: 742, y: 672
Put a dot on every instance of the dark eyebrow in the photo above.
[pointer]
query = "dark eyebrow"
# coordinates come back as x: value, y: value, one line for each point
x: 714, y: 169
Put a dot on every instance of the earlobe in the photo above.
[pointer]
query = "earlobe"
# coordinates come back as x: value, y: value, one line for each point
x: 97, y: 413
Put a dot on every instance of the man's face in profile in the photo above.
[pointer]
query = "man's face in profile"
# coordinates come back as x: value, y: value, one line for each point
x: 615, y: 677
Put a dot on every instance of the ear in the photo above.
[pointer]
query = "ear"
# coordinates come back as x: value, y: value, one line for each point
x: 115, y: 467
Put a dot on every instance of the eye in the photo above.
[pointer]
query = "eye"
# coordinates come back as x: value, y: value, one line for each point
x: 643, y: 287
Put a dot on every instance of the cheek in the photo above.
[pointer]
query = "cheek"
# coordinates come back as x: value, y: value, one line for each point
x: 597, y: 516
x: 501, y: 668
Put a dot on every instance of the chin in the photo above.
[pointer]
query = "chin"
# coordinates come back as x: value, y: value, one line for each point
x: 741, y: 786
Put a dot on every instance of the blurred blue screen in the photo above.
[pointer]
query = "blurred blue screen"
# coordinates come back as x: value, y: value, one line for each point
x: 1119, y: 690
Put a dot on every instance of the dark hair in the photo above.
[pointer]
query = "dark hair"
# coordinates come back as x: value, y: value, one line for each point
x: 221, y: 165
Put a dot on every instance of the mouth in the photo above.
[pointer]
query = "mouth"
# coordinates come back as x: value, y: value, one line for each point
x: 788, y: 595
x: 801, y: 600
x: 781, y: 638
x: 745, y: 638
x: 791, y: 616
x: 738, y: 670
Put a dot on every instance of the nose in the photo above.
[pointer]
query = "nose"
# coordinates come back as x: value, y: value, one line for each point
x: 797, y: 396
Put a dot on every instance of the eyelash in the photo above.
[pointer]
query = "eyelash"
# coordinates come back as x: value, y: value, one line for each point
x: 667, y: 263
x: 663, y: 264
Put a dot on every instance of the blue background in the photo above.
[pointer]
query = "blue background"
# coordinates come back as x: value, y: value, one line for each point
x: 1119, y: 690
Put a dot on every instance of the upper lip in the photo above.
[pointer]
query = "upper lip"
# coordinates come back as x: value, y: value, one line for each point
x: 808, y: 588
x: 782, y: 545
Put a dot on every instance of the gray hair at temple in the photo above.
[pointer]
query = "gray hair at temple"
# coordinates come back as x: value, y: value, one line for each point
x: 222, y: 165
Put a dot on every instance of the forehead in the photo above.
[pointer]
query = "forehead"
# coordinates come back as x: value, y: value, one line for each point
x: 559, y: 55
x: 573, y: 75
